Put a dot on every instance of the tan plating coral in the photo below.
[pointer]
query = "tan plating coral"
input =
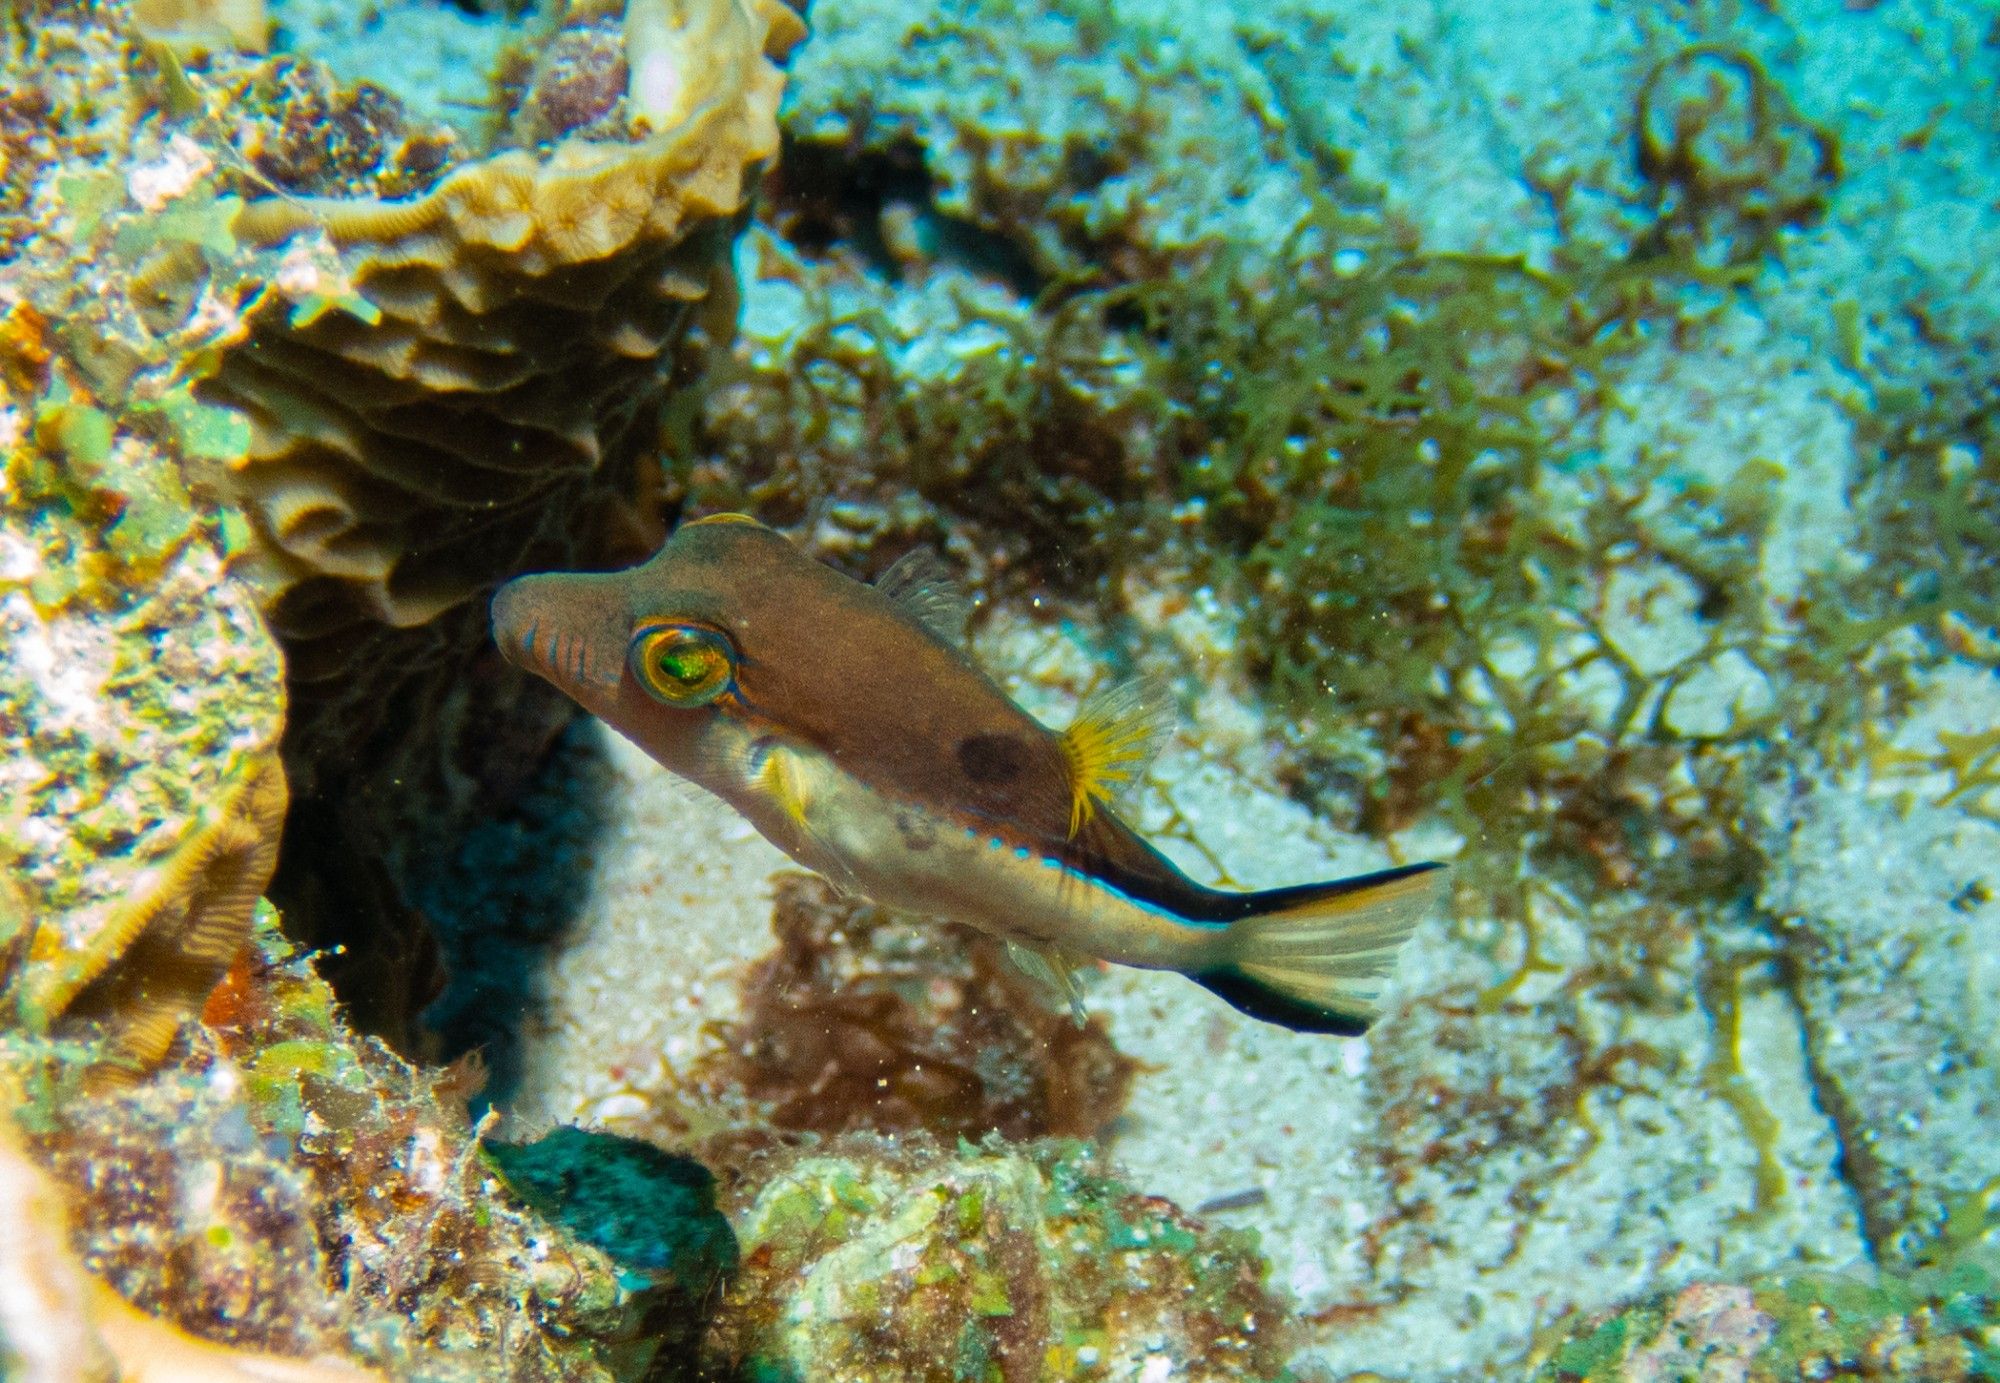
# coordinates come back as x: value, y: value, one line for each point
x: 434, y: 391
x: 496, y: 338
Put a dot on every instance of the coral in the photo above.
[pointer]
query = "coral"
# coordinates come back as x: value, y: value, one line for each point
x: 459, y: 386
x: 279, y: 1185
x: 372, y: 370
x: 304, y: 133
x: 1939, y: 1322
x: 861, y: 1020
x: 512, y: 321
x: 894, y: 1261
x: 184, y: 926
x: 1715, y: 1330
x: 57, y: 1323
x: 143, y: 794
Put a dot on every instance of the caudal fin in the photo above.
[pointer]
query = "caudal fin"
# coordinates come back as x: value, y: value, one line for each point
x: 1314, y: 958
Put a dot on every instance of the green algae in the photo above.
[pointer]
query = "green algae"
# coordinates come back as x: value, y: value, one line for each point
x: 202, y: 218
x: 1938, y: 1320
x: 997, y: 1260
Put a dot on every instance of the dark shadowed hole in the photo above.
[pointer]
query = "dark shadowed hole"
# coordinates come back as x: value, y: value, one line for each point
x: 506, y: 899
x: 825, y: 194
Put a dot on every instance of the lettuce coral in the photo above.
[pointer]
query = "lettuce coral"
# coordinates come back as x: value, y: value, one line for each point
x: 269, y: 334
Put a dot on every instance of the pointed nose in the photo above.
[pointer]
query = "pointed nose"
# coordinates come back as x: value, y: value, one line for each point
x: 563, y: 626
x: 514, y: 623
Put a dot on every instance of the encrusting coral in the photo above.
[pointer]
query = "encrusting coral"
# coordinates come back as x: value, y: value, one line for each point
x: 142, y: 792
x: 897, y: 1262
x: 1933, y: 1321
x: 280, y: 1186
x: 186, y: 923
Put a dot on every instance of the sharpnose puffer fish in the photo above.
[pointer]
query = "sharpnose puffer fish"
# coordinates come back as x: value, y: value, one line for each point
x: 848, y: 725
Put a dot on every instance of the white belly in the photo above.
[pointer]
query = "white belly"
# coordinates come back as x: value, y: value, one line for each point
x: 908, y: 857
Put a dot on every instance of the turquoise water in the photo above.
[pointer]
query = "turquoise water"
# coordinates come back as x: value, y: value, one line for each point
x: 1555, y: 441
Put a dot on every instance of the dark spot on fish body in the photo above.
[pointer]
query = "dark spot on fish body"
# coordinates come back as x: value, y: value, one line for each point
x: 992, y: 758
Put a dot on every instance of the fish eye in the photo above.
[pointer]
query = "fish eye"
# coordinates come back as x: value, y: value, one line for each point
x: 682, y: 664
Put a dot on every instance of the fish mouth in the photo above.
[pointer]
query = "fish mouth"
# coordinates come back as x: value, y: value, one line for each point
x: 547, y: 647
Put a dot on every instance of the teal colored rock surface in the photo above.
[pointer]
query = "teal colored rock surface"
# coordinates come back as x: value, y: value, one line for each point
x: 648, y: 1209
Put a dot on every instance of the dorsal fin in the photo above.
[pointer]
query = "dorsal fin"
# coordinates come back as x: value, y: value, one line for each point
x: 919, y: 584
x: 1117, y: 732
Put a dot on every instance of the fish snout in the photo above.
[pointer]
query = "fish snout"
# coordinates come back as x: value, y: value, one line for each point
x: 557, y: 626
x: 513, y: 623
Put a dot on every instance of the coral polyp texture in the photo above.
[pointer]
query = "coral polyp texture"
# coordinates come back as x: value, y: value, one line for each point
x: 280, y: 1187
x: 896, y: 1262
x: 427, y: 402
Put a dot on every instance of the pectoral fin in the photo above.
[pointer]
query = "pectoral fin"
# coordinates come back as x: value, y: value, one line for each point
x: 781, y: 776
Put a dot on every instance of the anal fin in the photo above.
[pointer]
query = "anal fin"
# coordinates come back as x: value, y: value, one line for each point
x: 1052, y: 967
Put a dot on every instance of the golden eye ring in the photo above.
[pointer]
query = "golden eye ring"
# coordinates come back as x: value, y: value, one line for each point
x: 685, y: 665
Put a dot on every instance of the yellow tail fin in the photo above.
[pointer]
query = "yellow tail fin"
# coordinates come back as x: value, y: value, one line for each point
x: 1315, y: 958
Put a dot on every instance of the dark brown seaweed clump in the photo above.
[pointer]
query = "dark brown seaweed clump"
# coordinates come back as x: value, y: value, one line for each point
x: 863, y: 1020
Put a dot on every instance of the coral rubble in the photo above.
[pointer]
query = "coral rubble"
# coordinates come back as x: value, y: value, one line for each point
x: 872, y: 1259
x: 282, y: 1186
x: 1936, y: 1324
x: 58, y: 1324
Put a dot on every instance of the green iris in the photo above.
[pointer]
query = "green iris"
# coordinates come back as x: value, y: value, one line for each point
x: 683, y: 664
